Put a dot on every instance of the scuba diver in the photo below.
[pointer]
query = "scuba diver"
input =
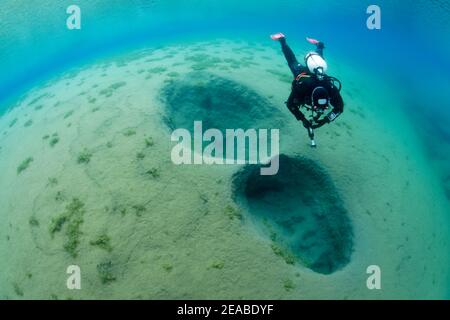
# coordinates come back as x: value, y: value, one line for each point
x: 312, y: 89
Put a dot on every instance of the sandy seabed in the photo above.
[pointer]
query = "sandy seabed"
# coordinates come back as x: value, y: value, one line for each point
x: 87, y: 180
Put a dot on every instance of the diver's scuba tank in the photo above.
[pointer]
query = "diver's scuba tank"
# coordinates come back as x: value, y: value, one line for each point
x: 315, y: 63
x: 318, y: 67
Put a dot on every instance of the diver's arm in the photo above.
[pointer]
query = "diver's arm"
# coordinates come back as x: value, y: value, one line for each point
x: 295, y: 110
x: 338, y: 108
x: 337, y: 103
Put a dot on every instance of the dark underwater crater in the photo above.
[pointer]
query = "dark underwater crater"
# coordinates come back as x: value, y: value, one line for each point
x: 218, y: 102
x: 300, y: 210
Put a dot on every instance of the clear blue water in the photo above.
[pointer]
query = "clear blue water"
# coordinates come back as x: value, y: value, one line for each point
x: 35, y: 43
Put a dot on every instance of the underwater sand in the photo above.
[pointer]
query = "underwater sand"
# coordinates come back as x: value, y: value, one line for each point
x: 87, y: 180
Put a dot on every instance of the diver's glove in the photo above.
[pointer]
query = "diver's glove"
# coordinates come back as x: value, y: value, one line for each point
x: 327, y: 119
x: 331, y: 116
x: 320, y: 123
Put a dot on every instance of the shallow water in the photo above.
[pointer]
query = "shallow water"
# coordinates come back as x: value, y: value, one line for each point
x: 85, y: 152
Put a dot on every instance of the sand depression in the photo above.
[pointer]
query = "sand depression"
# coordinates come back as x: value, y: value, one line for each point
x: 300, y: 210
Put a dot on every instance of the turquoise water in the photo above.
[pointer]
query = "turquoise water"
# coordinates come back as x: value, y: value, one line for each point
x: 35, y: 42
x: 398, y: 103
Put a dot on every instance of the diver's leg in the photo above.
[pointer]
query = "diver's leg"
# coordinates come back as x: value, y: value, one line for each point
x: 319, y: 48
x: 288, y: 53
x: 290, y: 57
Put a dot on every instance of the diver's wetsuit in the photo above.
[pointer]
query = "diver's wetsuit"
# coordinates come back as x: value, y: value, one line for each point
x: 302, y: 89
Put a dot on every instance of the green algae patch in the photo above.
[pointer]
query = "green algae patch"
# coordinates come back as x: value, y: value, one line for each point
x: 105, y: 272
x: 24, y: 165
x: 84, y: 157
x: 288, y: 285
x: 103, y: 242
x: 139, y: 209
x: 37, y: 99
x: 158, y: 70
x: 54, y: 140
x: 68, y: 114
x: 73, y: 235
x: 233, y: 213
x: 287, y: 256
x: 71, y: 219
x: 149, y: 142
x: 173, y: 74
x: 13, y: 122
x: 140, y: 156
x: 108, y: 92
x: 33, y: 222
x: 167, y: 267
x: 52, y: 182
x: 217, y: 265
x: 129, y: 132
x: 153, y: 172
x: 18, y: 290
